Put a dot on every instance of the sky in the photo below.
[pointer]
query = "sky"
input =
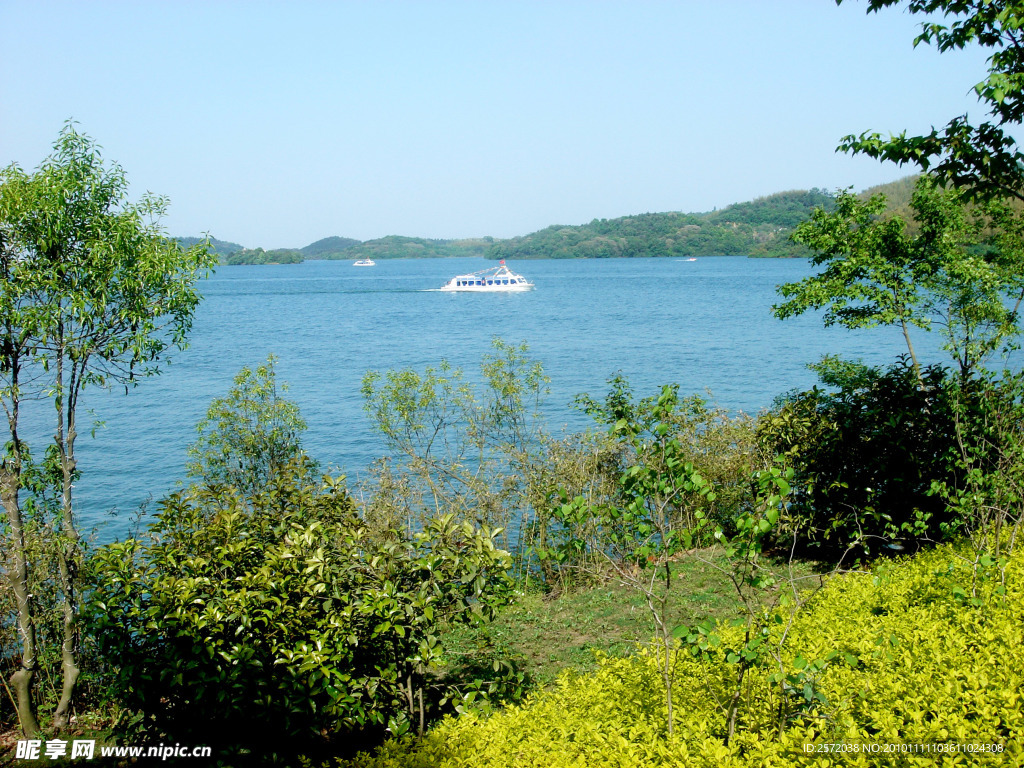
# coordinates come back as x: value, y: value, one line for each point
x: 275, y: 124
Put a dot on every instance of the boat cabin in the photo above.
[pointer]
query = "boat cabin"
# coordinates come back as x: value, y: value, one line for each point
x: 465, y: 282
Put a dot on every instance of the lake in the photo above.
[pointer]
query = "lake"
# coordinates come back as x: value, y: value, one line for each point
x: 705, y: 325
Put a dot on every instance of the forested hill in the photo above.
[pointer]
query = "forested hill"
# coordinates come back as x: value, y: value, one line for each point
x: 329, y: 248
x: 395, y: 247
x: 897, y: 194
x: 757, y: 228
x: 233, y: 253
x: 219, y: 247
x: 760, y: 227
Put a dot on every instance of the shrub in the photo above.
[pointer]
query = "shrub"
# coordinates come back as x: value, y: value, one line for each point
x: 886, y: 658
x: 281, y: 611
x: 865, y: 456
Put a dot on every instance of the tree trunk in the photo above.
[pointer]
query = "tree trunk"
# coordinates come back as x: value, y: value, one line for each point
x: 913, y: 357
x: 68, y: 649
x: 668, y: 680
x: 68, y: 551
x: 21, y: 680
x: 734, y: 704
x: 10, y: 486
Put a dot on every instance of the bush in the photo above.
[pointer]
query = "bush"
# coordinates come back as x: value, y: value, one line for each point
x: 886, y: 658
x: 277, y: 619
x: 865, y: 456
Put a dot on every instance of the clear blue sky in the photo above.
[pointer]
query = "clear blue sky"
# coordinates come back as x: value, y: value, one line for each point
x: 275, y: 124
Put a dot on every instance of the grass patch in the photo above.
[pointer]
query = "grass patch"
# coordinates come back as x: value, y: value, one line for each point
x: 547, y: 635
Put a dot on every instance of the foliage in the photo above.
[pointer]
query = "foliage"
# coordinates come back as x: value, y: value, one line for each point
x: 982, y: 158
x: 581, y: 467
x: 115, y: 293
x: 885, y: 658
x: 338, y: 248
x: 665, y: 509
x: 249, y: 436
x: 719, y: 444
x: 283, y: 611
x: 876, y: 274
x: 20, y: 326
x: 586, y: 471
x: 985, y: 493
x: 865, y: 457
x: 455, y: 448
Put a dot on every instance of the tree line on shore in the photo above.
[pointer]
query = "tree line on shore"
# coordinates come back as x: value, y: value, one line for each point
x: 757, y: 228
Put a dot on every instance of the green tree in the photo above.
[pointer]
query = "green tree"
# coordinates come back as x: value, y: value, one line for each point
x: 103, y: 298
x: 20, y: 327
x: 950, y: 274
x: 249, y: 436
x: 657, y: 516
x: 983, y: 157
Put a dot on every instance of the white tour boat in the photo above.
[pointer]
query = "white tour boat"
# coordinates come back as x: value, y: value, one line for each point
x: 495, y: 279
x: 364, y: 263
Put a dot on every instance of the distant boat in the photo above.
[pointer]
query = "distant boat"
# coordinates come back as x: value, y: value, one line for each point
x: 692, y: 258
x: 493, y: 280
x: 364, y: 263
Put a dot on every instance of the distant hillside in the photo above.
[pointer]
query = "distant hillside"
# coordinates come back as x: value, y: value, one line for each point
x: 897, y: 200
x: 329, y: 248
x: 783, y: 209
x: 897, y: 193
x: 396, y: 247
x: 260, y: 256
x: 757, y: 228
x: 231, y: 254
x: 220, y: 247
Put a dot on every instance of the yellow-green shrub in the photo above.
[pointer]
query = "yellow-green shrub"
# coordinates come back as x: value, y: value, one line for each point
x: 917, y: 663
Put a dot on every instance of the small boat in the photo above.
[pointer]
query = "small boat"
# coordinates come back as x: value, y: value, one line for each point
x: 495, y: 279
x: 364, y: 263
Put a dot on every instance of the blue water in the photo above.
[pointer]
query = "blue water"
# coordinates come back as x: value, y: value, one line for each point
x: 705, y: 325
